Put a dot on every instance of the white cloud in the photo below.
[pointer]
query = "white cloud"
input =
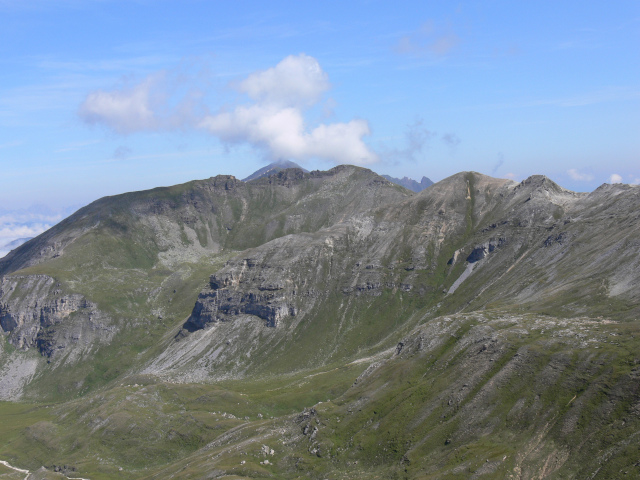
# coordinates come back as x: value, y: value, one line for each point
x: 33, y: 215
x: 165, y: 100
x: 511, y: 176
x: 615, y: 178
x: 281, y: 132
x: 10, y: 232
x: 581, y: 177
x: 295, y: 81
x: 275, y: 121
x: 125, y: 111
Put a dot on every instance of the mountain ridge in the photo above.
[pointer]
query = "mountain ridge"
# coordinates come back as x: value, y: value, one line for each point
x: 273, y: 168
x: 409, y: 312
x: 410, y: 183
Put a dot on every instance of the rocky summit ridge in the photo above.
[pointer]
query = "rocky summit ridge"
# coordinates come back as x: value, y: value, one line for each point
x: 472, y: 330
x: 410, y: 183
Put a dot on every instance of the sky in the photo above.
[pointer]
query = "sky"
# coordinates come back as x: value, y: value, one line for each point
x: 101, y: 97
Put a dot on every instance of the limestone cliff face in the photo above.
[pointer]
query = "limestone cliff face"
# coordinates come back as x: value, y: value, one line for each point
x: 36, y: 314
x: 389, y: 249
x: 220, y: 303
x: 272, y: 283
x: 470, y: 239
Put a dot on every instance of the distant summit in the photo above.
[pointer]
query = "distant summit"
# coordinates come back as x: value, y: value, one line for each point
x: 272, y: 168
x: 410, y: 183
x: 277, y: 166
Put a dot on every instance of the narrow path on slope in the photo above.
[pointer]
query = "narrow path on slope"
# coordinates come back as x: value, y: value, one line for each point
x: 8, y: 465
x: 27, y: 472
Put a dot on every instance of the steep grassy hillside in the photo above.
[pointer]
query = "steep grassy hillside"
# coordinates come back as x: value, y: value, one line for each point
x: 490, y: 395
x: 482, y: 395
x: 173, y: 224
x: 329, y: 325
x: 124, y: 272
x: 467, y: 243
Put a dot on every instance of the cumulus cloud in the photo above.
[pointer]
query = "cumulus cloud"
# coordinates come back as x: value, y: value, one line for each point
x: 273, y: 119
x: 274, y: 122
x: 126, y: 111
x: 615, y: 178
x: 580, y: 177
x: 296, y: 81
x: 281, y: 132
x: 155, y: 103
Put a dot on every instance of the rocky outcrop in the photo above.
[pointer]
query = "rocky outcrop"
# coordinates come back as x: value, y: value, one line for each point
x: 221, y: 304
x: 36, y: 313
x: 497, y: 227
x: 270, y: 283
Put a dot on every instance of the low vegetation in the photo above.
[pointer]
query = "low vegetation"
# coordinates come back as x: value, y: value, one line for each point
x: 478, y: 329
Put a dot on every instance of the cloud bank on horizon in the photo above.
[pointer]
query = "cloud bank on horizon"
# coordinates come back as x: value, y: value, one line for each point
x: 16, y: 226
x: 273, y: 120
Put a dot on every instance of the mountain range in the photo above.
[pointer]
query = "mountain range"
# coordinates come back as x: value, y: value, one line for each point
x: 279, y: 165
x: 272, y: 168
x: 328, y: 324
x: 410, y: 183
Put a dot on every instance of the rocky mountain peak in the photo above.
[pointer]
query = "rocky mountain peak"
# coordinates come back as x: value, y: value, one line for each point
x: 273, y: 168
x: 410, y: 183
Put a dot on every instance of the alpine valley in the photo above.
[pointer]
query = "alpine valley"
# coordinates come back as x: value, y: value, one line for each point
x: 327, y: 325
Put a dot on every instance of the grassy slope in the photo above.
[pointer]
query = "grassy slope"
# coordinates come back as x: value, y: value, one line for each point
x: 569, y: 411
x: 493, y: 392
x: 491, y: 396
x: 115, y: 263
x: 141, y: 423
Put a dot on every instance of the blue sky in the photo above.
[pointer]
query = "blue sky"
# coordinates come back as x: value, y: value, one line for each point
x: 102, y: 97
